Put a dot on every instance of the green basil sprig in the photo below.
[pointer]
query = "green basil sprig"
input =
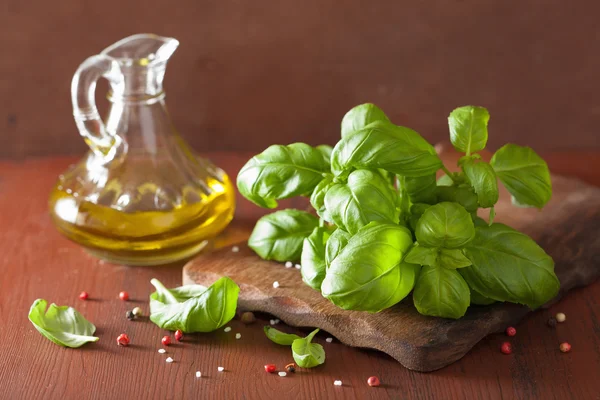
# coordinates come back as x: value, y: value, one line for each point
x: 306, y: 353
x: 313, y: 257
x: 276, y: 336
x: 194, y: 308
x: 62, y: 325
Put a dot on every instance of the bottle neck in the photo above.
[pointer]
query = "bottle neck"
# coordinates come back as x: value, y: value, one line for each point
x: 139, y: 85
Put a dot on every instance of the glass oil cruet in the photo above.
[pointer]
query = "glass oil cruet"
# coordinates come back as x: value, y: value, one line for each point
x: 140, y: 196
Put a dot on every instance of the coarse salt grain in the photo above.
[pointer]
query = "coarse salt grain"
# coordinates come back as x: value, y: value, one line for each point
x: 329, y: 340
x: 276, y: 321
x: 275, y: 284
x: 272, y: 321
x: 298, y: 266
x: 228, y: 329
x: 289, y: 264
x: 235, y: 249
x: 169, y: 360
x: 162, y: 351
x: 337, y: 383
x: 238, y: 335
x: 560, y: 317
x: 220, y: 369
x: 282, y: 373
x: 198, y: 374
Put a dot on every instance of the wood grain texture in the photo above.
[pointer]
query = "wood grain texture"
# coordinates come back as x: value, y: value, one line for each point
x: 567, y: 229
x: 37, y: 262
x: 249, y: 73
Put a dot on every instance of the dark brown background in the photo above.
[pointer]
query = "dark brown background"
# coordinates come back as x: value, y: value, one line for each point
x: 251, y: 73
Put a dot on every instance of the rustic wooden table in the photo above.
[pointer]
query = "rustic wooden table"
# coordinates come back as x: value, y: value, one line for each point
x: 37, y: 262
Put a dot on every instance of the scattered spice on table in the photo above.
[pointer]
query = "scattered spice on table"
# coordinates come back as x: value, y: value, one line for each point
x: 329, y: 340
x: 227, y: 329
x: 166, y: 340
x: 290, y: 367
x: 169, y: 360
x: 123, y: 340
x: 551, y: 322
x: 560, y: 317
x: 248, y: 317
x: 220, y: 369
x: 130, y: 315
x: 178, y: 335
x: 235, y: 249
x: 124, y: 296
x: 162, y: 351
x: 84, y: 295
x: 373, y: 381
x: 238, y: 335
x: 337, y: 383
x: 298, y: 266
x: 565, y: 347
x: 275, y: 284
x: 511, y: 331
x: 289, y: 264
x: 198, y: 374
x: 137, y: 311
x: 282, y: 373
x: 506, y: 348
x: 270, y: 368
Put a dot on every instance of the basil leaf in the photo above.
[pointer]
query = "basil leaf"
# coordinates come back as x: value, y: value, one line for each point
x: 61, y: 324
x: 284, y: 339
x: 308, y: 354
x: 281, y: 172
x: 437, y: 257
x: 337, y: 241
x: 325, y: 150
x: 468, y: 128
x: 364, y: 198
x: 484, y: 182
x: 524, y: 174
x: 279, y: 236
x: 446, y: 225
x: 421, y: 189
x: 445, y: 180
x: 416, y: 211
x: 317, y: 199
x: 509, y: 266
x: 361, y: 116
x: 194, y: 308
x: 441, y: 292
x: 383, y: 145
x: 479, y: 299
x: 313, y: 257
x: 369, y: 274
x: 466, y: 197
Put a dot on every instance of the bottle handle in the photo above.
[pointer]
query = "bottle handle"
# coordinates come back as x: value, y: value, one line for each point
x: 83, y: 89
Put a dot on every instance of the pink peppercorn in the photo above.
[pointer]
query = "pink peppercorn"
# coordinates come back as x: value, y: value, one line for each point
x: 506, y: 348
x: 511, y: 331
x: 270, y: 368
x: 565, y: 347
x: 178, y: 335
x: 84, y: 295
x: 123, y: 340
x: 166, y: 340
x: 124, y: 296
x: 373, y: 381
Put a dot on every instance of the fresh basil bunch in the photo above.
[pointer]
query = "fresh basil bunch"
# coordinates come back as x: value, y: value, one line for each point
x: 387, y: 227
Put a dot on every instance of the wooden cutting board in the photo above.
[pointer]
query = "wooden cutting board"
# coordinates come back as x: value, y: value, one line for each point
x: 568, y: 229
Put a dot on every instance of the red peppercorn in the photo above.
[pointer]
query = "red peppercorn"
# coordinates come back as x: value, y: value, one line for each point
x: 84, y: 295
x: 124, y: 296
x: 166, y: 340
x: 270, y: 368
x: 506, y: 348
x: 178, y: 335
x: 510, y: 331
x: 565, y: 347
x: 373, y: 381
x: 123, y: 340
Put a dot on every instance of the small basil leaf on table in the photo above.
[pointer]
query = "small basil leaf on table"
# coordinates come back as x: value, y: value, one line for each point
x: 441, y: 292
x: 384, y: 145
x: 62, y: 325
x: 317, y: 199
x: 464, y: 196
x: 279, y: 236
x: 421, y: 189
x: 325, y: 150
x: 194, y: 308
x: 524, y: 174
x: 313, y: 257
x: 468, y: 128
x: 509, y: 266
x: 361, y: 116
x: 479, y: 299
x: 484, y: 182
x: 308, y: 354
x: 369, y: 274
x: 447, y: 258
x: 281, y: 172
x: 337, y: 241
x: 276, y: 336
x: 364, y: 198
x: 446, y: 225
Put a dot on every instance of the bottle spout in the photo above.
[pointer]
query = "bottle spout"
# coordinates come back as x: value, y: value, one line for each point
x: 144, y: 49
